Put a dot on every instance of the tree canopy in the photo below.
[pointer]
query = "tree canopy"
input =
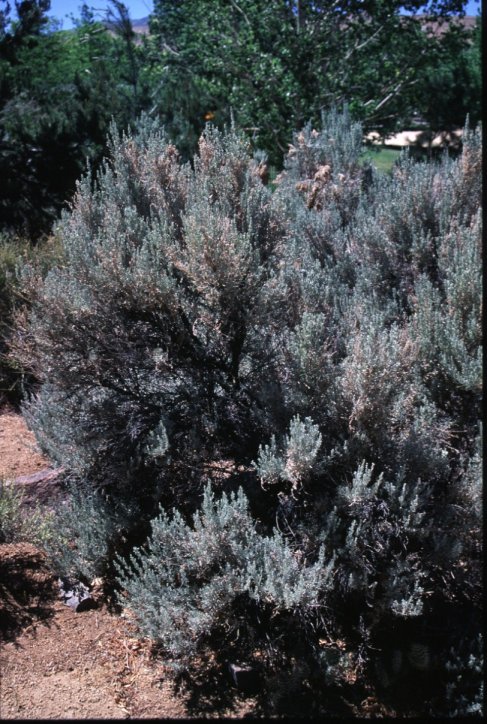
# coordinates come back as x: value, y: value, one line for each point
x: 272, y: 65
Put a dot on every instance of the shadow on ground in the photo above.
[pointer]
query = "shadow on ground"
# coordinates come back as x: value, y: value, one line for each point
x: 27, y: 589
x: 209, y: 691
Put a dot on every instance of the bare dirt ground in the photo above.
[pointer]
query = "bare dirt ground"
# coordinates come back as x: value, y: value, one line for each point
x: 58, y: 664
x: 19, y: 454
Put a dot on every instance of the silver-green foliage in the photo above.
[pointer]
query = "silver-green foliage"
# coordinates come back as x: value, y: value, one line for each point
x: 294, y: 463
x: 448, y: 316
x: 328, y: 330
x: 161, y: 305
x: 465, y: 689
x: 182, y: 585
x: 85, y: 528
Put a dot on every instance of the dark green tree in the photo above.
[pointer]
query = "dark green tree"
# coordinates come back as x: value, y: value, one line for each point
x: 451, y: 83
x: 59, y: 91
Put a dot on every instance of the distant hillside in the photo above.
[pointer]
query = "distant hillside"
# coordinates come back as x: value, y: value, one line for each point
x: 438, y: 27
x: 142, y: 25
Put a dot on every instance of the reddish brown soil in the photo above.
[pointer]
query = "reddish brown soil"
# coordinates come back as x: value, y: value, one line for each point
x: 19, y: 454
x: 58, y: 664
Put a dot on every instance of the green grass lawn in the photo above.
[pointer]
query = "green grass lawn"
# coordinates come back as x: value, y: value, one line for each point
x: 381, y: 157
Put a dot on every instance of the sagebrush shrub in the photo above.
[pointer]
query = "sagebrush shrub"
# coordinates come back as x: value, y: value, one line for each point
x: 87, y: 530
x: 317, y: 345
x: 183, y: 585
x: 14, y: 253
